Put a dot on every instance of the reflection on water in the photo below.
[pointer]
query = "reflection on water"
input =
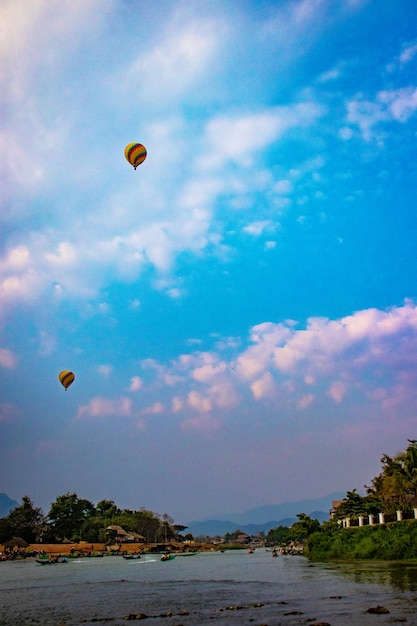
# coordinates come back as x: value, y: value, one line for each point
x: 399, y: 575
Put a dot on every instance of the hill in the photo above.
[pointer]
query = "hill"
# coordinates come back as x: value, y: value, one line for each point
x: 263, y: 518
x: 6, y: 504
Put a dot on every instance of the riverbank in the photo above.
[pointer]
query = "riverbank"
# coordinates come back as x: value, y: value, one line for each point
x: 387, y: 542
x: 88, y: 549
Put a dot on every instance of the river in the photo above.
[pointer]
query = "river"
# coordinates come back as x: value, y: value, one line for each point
x: 209, y: 588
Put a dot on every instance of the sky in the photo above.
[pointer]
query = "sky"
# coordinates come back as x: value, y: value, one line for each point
x: 240, y: 311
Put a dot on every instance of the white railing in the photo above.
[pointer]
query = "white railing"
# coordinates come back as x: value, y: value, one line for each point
x: 371, y: 520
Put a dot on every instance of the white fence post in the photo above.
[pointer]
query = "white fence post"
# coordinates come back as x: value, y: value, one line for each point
x: 399, y: 516
x: 381, y: 518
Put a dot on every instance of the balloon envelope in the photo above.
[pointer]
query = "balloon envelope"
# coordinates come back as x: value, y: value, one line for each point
x: 66, y: 378
x: 135, y: 153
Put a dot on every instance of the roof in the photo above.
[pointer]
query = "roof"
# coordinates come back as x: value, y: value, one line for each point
x: 123, y: 533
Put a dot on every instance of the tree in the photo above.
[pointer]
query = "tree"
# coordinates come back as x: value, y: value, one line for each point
x: 277, y: 535
x: 167, y: 530
x: 107, y: 509
x: 68, y: 515
x: 147, y: 524
x: 304, y: 527
x: 396, y: 485
x: 354, y: 505
x: 25, y: 521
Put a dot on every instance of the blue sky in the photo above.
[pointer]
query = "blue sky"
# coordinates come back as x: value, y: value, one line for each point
x: 240, y: 312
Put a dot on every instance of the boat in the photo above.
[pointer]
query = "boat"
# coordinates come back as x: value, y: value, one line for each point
x: 167, y: 557
x: 131, y: 556
x: 51, y: 560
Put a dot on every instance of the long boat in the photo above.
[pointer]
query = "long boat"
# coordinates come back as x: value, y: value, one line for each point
x: 167, y: 557
x: 49, y: 561
x: 131, y: 556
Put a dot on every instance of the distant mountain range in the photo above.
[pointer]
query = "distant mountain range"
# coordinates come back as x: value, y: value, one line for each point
x: 6, y: 505
x: 263, y: 518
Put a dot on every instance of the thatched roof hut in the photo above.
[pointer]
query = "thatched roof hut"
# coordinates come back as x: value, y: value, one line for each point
x: 16, y: 542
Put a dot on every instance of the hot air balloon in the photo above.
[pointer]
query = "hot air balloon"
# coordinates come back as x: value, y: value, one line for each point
x: 66, y: 378
x: 135, y: 153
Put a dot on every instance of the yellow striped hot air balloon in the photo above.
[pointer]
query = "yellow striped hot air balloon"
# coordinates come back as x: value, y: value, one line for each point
x: 135, y: 153
x: 66, y: 378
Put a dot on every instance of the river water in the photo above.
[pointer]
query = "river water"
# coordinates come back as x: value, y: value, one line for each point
x: 217, y: 588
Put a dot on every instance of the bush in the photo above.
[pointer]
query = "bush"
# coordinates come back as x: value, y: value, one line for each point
x: 397, y: 541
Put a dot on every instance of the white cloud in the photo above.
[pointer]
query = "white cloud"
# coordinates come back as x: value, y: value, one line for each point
x: 178, y: 62
x: 30, y: 32
x: 199, y: 402
x: 401, y: 103
x: 337, y: 391
x: 177, y: 404
x: 257, y: 228
x: 329, y: 75
x: 154, y: 409
x: 106, y: 407
x: 330, y: 359
x: 7, y: 358
x: 390, y: 105
x: 238, y: 138
x: 223, y: 395
x: 136, y: 383
x: 408, y: 53
x: 283, y: 187
x: 210, y: 368
x: 305, y: 401
x: 105, y: 370
x: 263, y: 386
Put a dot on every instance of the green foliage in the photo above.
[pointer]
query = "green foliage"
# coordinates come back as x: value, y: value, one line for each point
x: 396, y: 541
x: 78, y: 519
x: 305, y: 527
x: 68, y: 514
x: 24, y: 521
x: 396, y: 485
x: 277, y: 535
x: 354, y: 504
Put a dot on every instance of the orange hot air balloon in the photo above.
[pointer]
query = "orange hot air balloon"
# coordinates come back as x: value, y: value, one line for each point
x: 135, y: 154
x: 66, y: 378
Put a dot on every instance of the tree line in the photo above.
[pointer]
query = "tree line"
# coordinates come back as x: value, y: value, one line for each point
x: 77, y: 519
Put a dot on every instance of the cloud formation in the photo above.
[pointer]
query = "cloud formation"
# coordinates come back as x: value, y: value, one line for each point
x: 252, y: 283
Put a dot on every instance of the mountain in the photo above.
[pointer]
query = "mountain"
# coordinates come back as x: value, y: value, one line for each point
x: 268, y: 512
x: 6, y: 505
x: 218, y: 528
x: 263, y: 518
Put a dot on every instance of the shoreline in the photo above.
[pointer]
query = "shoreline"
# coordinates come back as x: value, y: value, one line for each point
x: 96, y: 549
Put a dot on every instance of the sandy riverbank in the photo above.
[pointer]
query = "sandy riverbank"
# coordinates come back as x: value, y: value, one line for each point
x: 87, y: 548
